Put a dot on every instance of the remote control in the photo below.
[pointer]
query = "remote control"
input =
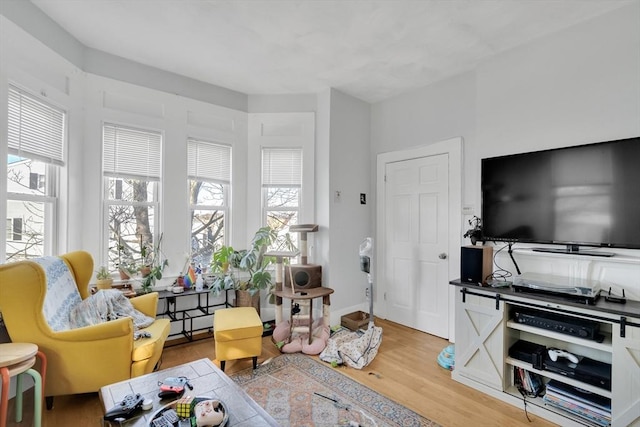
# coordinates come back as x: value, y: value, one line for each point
x: 126, y: 408
x: 554, y: 353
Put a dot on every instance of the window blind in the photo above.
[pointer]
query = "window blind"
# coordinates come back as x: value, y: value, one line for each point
x: 208, y: 161
x: 281, y: 167
x: 131, y: 153
x: 35, y: 129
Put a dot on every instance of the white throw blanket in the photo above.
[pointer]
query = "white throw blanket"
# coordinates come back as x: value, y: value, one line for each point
x: 105, y: 305
x: 356, y: 349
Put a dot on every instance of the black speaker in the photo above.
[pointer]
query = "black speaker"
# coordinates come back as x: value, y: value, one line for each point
x: 476, y: 264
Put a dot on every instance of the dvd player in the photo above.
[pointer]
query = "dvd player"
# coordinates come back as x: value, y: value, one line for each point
x: 573, y: 326
x: 587, y: 370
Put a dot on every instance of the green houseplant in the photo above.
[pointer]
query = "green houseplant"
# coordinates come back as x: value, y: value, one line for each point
x: 126, y: 265
x: 153, y: 264
x: 103, y: 278
x: 245, y: 271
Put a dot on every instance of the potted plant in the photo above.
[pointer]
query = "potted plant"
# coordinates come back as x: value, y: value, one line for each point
x: 153, y: 265
x: 103, y: 278
x: 475, y: 232
x: 245, y: 271
x: 126, y: 268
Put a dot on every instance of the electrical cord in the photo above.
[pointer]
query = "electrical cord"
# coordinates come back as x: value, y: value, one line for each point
x: 524, y: 401
x: 499, y: 273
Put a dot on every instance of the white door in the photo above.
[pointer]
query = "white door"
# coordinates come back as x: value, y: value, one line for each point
x: 416, y: 237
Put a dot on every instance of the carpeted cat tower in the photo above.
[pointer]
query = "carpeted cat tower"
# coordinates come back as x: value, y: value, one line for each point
x: 301, y: 284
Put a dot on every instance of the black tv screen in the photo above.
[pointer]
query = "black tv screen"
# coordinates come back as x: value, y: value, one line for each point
x: 587, y: 195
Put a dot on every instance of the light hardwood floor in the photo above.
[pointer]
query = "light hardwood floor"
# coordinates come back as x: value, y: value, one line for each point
x: 405, y: 370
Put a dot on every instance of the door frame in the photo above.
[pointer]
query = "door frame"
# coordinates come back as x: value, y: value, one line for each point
x: 453, y: 148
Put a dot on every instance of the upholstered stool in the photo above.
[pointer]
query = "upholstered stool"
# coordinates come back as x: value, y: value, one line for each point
x: 238, y: 334
x: 17, y: 360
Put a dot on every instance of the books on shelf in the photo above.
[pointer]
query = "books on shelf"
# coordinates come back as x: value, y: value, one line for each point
x: 565, y: 390
x: 528, y: 383
x: 579, y: 402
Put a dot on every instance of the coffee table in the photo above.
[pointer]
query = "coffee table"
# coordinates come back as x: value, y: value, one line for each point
x: 207, y: 380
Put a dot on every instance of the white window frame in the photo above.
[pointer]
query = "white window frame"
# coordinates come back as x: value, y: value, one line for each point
x: 198, y: 169
x: 284, y: 130
x: 53, y: 156
x: 113, y: 173
x: 282, y: 168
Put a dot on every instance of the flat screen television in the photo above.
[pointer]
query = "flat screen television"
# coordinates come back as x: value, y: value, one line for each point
x: 587, y: 195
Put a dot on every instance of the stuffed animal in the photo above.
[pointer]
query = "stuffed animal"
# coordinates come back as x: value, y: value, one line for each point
x: 208, y: 413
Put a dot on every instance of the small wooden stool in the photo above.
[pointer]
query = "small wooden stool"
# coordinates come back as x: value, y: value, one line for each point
x: 238, y: 334
x: 16, y: 360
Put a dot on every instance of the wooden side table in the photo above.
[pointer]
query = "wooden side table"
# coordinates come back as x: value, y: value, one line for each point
x: 17, y: 359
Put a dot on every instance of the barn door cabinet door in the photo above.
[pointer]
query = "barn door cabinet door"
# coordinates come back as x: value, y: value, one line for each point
x: 625, y: 371
x: 479, y: 340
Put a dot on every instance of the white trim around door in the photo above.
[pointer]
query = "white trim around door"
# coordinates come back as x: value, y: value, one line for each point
x: 453, y: 148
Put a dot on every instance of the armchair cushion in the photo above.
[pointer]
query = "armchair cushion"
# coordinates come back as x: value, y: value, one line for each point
x: 62, y: 293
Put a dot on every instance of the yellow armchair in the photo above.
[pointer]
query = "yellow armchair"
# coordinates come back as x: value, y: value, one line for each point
x: 84, y: 359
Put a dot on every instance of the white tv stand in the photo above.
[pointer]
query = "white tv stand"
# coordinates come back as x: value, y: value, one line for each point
x: 485, y: 330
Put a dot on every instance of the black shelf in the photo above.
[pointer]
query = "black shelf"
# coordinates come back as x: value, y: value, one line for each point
x: 204, y: 307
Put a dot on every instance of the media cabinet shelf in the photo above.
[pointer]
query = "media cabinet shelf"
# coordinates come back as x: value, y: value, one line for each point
x: 553, y: 376
x: 486, y: 329
x: 603, y: 346
x: 541, y: 406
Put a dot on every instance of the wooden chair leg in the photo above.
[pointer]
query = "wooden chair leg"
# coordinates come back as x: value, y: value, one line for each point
x: 49, y: 402
x: 222, y: 362
x: 255, y: 362
x: 4, y: 405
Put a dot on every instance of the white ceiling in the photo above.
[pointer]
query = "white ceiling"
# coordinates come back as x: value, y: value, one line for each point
x: 368, y: 49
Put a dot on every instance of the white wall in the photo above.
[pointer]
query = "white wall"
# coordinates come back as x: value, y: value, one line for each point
x: 178, y: 118
x: 577, y: 86
x: 301, y: 103
x: 349, y: 220
x: 29, y: 17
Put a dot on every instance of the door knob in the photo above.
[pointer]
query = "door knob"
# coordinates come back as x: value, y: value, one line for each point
x: 442, y: 256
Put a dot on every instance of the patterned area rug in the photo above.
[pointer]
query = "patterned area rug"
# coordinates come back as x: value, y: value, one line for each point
x: 299, y: 391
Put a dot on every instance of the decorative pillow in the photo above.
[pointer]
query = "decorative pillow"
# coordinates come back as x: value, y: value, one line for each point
x: 62, y: 293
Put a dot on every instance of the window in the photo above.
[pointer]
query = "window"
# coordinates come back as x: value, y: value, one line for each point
x: 281, y: 189
x: 36, y: 181
x: 17, y: 229
x: 131, y: 167
x: 14, y: 229
x: 36, y: 134
x: 209, y: 170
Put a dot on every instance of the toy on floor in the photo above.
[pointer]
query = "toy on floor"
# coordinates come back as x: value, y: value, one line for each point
x: 446, y: 358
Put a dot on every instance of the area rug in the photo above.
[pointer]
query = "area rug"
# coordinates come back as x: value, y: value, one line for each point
x: 299, y: 391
